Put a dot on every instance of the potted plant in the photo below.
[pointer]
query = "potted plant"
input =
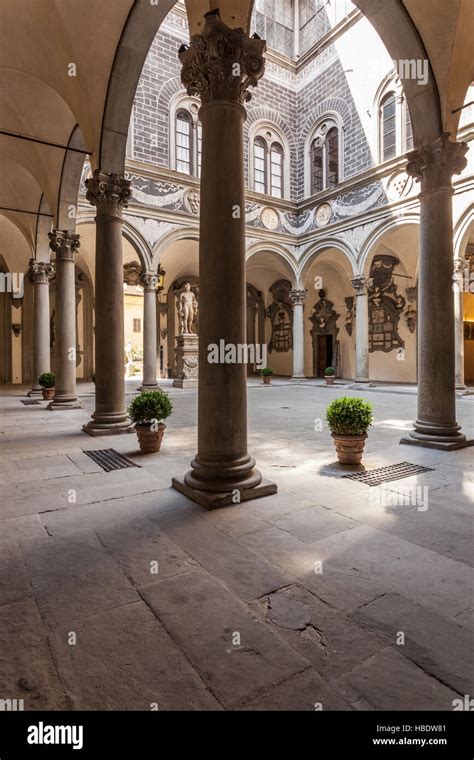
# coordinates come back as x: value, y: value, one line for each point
x: 147, y: 411
x: 329, y: 375
x: 349, y: 420
x: 47, y: 381
x: 266, y: 374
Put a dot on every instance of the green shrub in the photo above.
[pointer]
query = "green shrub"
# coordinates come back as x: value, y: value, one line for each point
x: 349, y: 416
x: 266, y: 372
x: 329, y: 371
x: 47, y: 380
x: 150, y: 406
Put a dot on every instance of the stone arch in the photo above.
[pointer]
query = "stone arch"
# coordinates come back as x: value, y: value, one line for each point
x: 140, y: 29
x: 71, y: 174
x: 130, y: 233
x: 281, y: 253
x: 319, y: 247
x: 184, y: 233
x: 330, y: 107
x: 400, y: 36
x: 367, y: 248
x: 461, y: 231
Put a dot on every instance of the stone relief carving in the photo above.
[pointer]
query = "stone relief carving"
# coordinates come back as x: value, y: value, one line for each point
x: 411, y: 313
x: 385, y: 306
x: 132, y: 273
x: 349, y: 318
x: 280, y: 313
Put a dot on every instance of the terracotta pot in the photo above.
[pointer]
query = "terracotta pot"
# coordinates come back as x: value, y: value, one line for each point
x: 329, y: 379
x: 349, y: 448
x: 48, y: 393
x: 150, y: 440
x: 267, y: 379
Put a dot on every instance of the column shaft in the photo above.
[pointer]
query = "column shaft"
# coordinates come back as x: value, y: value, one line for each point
x: 40, y: 272
x: 149, y: 282
x: 65, y: 244
x: 297, y: 297
x: 360, y: 284
x: 458, y: 289
x: 219, y: 66
x: 109, y: 193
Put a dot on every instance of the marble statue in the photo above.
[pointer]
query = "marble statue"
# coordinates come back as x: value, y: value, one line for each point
x: 188, y: 307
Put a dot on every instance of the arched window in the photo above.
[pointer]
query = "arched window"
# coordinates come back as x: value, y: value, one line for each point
x: 259, y: 165
x: 199, y: 147
x: 325, y: 157
x: 395, y: 132
x: 388, y: 129
x: 276, y: 170
x: 184, y: 142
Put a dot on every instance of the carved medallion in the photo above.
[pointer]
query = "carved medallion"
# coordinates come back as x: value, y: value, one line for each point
x: 323, y: 214
x: 270, y: 218
x: 192, y: 201
x: 399, y: 185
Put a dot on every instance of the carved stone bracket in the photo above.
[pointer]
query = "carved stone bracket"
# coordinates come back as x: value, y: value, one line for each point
x: 360, y: 284
x: 110, y: 193
x: 434, y: 165
x: 221, y: 63
x: 64, y: 244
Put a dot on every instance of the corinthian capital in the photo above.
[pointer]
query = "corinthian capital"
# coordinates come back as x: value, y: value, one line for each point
x: 149, y: 281
x: 297, y: 296
x: 65, y: 244
x: 221, y: 63
x: 109, y: 192
x: 434, y: 165
x: 40, y: 271
x: 361, y: 283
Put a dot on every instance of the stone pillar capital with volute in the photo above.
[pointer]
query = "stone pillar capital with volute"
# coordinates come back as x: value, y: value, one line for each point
x: 297, y: 296
x: 110, y: 193
x: 221, y: 63
x: 360, y: 283
x: 64, y: 244
x: 149, y: 281
x: 434, y: 165
x: 40, y: 271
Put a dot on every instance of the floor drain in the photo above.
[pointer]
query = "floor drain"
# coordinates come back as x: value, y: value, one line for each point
x: 385, y: 474
x: 109, y: 459
x: 30, y: 402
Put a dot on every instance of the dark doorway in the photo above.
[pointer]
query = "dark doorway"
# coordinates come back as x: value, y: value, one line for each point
x: 324, y: 353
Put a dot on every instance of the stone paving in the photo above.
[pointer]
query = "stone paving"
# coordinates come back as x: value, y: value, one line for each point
x: 117, y: 592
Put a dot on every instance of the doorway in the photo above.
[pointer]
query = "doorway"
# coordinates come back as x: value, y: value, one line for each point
x: 324, y: 353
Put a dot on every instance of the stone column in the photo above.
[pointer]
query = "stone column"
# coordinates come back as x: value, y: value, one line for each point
x: 458, y: 290
x: 360, y: 285
x: 65, y: 245
x: 40, y: 273
x: 110, y: 194
x: 297, y: 298
x: 149, y: 282
x: 219, y: 66
x: 436, y: 426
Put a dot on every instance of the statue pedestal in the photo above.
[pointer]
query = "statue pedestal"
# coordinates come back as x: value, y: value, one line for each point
x: 186, y: 361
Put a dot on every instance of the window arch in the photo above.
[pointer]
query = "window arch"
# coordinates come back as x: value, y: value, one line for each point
x: 269, y: 161
x: 325, y: 156
x: 395, y: 132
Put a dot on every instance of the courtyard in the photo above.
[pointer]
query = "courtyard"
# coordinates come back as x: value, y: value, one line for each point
x: 120, y: 593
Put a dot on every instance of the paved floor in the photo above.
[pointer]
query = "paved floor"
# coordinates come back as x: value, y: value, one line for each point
x: 116, y: 592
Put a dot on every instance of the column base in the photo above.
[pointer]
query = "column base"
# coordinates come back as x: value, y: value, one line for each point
x: 58, y: 404
x: 213, y: 499
x: 109, y: 424
x: 149, y: 387
x: 184, y: 383
x: 430, y: 436
x: 36, y: 391
x: 360, y: 384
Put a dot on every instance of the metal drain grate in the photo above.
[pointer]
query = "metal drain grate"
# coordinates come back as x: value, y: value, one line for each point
x: 385, y: 474
x: 109, y: 459
x: 30, y: 402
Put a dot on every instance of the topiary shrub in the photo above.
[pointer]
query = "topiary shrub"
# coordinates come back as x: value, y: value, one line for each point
x: 149, y: 407
x: 266, y: 372
x: 47, y: 380
x: 349, y: 416
x: 329, y: 371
